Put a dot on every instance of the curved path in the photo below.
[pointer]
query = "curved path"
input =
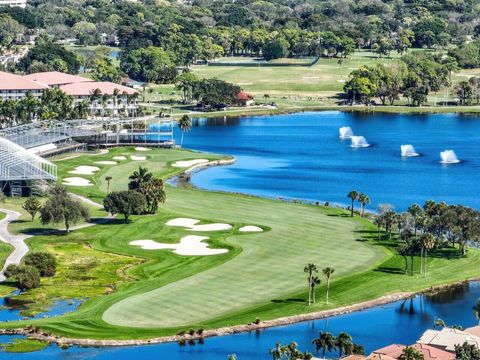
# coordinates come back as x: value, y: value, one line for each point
x: 20, y: 249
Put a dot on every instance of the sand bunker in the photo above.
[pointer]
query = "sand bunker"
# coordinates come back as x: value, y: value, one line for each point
x: 76, y: 181
x: 84, y: 170
x: 139, y: 148
x: 138, y: 158
x: 119, y: 158
x: 189, y: 163
x: 190, y: 245
x: 250, y: 228
x: 190, y: 224
x: 106, y: 162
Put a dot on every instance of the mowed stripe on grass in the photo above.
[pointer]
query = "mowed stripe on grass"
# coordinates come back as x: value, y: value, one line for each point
x: 269, y: 267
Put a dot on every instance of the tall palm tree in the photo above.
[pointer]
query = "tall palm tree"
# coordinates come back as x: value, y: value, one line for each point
x: 428, y: 242
x: 139, y: 177
x: 95, y: 97
x: 343, y: 343
x: 352, y: 195
x: 409, y: 353
x: 232, y: 357
x: 328, y: 272
x: 310, y: 269
x: 314, y: 282
x: 325, y: 342
x: 82, y: 108
x: 277, y: 352
x: 476, y: 310
x: 363, y: 199
x: 185, y: 124
x: 115, y: 95
x: 108, y: 179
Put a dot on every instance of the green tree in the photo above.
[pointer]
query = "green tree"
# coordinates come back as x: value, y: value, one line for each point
x: 105, y: 70
x: 185, y: 83
x: 154, y: 192
x: 476, y: 310
x: 275, y: 49
x: 151, y: 64
x: 185, y: 124
x: 60, y: 207
x: 32, y: 206
x: 9, y: 29
x: 352, y: 195
x: 44, y: 262
x: 328, y: 272
x: 27, y: 277
x: 344, y: 344
x: 310, y: 269
x: 325, y: 342
x: 410, y: 353
x: 125, y: 202
x: 139, y: 177
x: 467, y: 351
x: 213, y: 92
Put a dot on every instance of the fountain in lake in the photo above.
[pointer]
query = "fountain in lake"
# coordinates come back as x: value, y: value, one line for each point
x: 345, y: 132
x: 359, y: 142
x: 449, y: 157
x: 408, y: 151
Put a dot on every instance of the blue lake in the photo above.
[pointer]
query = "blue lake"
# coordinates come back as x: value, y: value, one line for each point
x: 301, y: 156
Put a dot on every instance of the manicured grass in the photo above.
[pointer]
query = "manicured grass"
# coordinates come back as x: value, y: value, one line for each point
x: 24, y: 345
x: 261, y: 275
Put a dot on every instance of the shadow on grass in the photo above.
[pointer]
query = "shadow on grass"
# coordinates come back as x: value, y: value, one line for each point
x: 390, y: 270
x: 288, y: 301
x: 339, y: 215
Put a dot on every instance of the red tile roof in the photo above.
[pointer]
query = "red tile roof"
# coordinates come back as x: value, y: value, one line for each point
x: 242, y: 95
x: 87, y: 88
x: 52, y: 78
x: 395, y: 351
x: 16, y: 82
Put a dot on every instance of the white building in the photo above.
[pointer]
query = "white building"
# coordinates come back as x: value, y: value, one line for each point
x: 15, y: 87
x: 21, y: 3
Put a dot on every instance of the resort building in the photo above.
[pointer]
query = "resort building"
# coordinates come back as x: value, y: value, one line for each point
x: 15, y: 87
x: 56, y: 78
x: 113, y: 98
x: 21, y: 3
x: 244, y: 98
x: 447, y: 338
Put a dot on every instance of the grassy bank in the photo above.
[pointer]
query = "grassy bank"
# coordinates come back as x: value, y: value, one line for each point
x: 157, y: 293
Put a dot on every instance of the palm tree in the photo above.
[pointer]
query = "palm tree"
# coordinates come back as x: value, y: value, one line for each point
x: 185, y: 124
x: 314, y: 282
x: 476, y: 310
x: 277, y: 352
x: 232, y: 357
x: 108, y: 179
x: 439, y: 322
x: 328, y: 272
x: 139, y: 177
x: 428, y: 242
x: 344, y: 343
x: 82, y: 108
x: 115, y: 95
x: 352, y: 195
x: 95, y: 96
x: 409, y: 353
x: 325, y: 341
x: 363, y: 199
x: 310, y: 269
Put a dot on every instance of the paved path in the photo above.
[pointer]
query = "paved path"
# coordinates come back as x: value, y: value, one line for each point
x: 18, y: 241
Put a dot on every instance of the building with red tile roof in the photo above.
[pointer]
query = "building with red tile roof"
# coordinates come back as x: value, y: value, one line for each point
x: 56, y: 78
x: 87, y: 88
x: 15, y: 87
x: 395, y: 351
x: 244, y: 98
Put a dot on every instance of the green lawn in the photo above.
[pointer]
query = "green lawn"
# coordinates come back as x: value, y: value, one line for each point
x: 156, y: 293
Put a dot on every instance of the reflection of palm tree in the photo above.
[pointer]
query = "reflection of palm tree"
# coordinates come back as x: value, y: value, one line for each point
x: 476, y: 310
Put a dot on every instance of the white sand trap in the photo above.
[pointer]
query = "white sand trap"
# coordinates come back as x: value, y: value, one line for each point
x: 190, y: 224
x: 250, y: 228
x: 138, y: 158
x: 84, y: 170
x: 76, y: 181
x: 188, y: 163
x: 311, y: 77
x: 245, y: 83
x: 120, y: 158
x: 190, y: 245
x: 139, y: 148
x: 106, y: 162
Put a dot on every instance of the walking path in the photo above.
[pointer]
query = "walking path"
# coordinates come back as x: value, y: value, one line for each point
x: 20, y: 249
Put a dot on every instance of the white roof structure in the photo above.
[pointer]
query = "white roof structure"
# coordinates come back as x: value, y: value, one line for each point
x: 447, y: 338
x: 17, y: 163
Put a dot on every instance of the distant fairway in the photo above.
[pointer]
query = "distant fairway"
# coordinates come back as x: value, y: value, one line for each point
x: 269, y: 267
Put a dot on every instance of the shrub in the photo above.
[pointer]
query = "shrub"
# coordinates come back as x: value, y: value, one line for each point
x: 27, y: 277
x: 44, y: 262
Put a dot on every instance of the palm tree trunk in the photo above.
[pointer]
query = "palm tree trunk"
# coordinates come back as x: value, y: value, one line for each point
x: 328, y: 289
x: 425, y: 264
x: 351, y: 210
x: 421, y: 261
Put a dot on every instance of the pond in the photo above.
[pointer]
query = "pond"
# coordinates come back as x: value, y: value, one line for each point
x: 301, y: 156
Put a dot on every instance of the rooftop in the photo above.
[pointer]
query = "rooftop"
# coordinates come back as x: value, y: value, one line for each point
x: 16, y: 82
x: 55, y: 78
x: 87, y: 88
x: 447, y: 338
